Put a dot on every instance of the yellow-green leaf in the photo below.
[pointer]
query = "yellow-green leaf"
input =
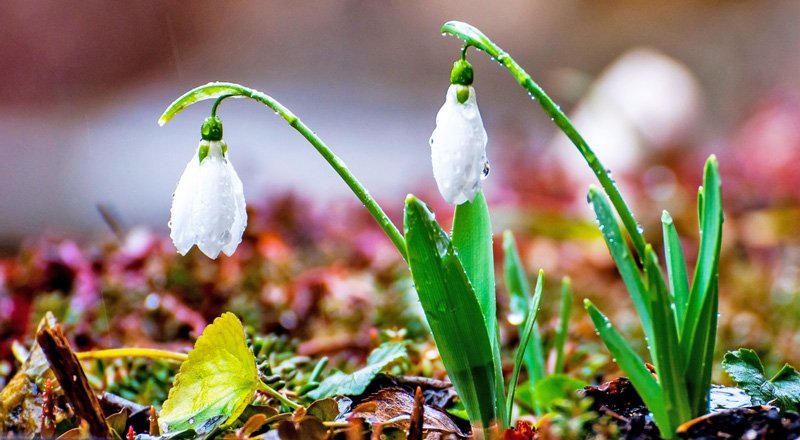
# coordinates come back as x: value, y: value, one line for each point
x: 214, y: 384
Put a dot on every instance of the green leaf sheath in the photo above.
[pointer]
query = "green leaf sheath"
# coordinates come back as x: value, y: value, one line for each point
x: 624, y: 261
x: 453, y: 312
x: 520, y: 294
x: 472, y: 238
x: 474, y: 37
x: 676, y: 268
x: 668, y: 357
x: 218, y: 90
x: 527, y: 331
x: 565, y: 310
x: 633, y: 366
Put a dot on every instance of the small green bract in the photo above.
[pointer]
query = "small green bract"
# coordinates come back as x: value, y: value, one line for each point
x: 214, y: 384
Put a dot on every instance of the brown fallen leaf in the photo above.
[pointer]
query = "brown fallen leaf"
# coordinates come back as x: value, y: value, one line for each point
x: 393, y: 407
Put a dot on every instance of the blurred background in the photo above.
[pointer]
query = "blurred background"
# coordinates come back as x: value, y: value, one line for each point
x: 83, y: 84
x: 654, y: 86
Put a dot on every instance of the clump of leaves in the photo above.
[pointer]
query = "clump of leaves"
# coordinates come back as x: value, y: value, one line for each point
x: 782, y: 390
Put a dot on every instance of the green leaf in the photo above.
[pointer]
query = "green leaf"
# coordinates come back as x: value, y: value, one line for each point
x: 698, y: 336
x: 530, y: 319
x: 520, y: 294
x: 624, y: 260
x: 710, y: 211
x: 453, y: 313
x: 676, y: 268
x: 563, y: 324
x: 634, y: 367
x: 668, y: 357
x: 746, y: 369
x: 472, y: 239
x: 342, y: 384
x: 555, y: 388
x: 215, y: 384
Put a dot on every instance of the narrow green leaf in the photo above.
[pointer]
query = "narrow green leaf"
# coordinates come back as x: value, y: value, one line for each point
x: 472, y: 239
x: 633, y: 366
x: 698, y: 336
x: 626, y: 265
x: 667, y: 357
x: 701, y: 354
x: 710, y: 210
x: 215, y: 383
x: 676, y: 268
x: 520, y: 294
x: 530, y: 319
x: 452, y: 310
x: 565, y: 310
x: 342, y: 384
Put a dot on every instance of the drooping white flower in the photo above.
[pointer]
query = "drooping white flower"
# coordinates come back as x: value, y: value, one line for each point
x: 458, y: 147
x: 208, y: 208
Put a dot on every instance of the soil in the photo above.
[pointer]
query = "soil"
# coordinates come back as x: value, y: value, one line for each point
x: 618, y: 400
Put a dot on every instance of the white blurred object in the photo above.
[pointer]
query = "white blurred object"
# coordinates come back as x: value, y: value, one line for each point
x: 643, y: 101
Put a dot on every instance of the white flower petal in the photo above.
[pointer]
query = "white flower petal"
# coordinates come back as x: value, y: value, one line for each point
x: 180, y: 222
x: 458, y: 148
x: 214, y: 205
x: 240, y: 213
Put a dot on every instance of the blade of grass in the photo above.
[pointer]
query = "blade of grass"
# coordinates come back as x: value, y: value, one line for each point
x: 530, y: 319
x: 472, y: 238
x: 633, y: 366
x: 626, y: 265
x: 453, y: 312
x: 710, y: 210
x: 668, y: 362
x: 676, y: 268
x: 520, y: 293
x: 700, y: 305
x: 565, y: 310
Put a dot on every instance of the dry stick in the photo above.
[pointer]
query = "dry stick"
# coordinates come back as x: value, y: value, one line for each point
x: 70, y: 376
x: 417, y: 416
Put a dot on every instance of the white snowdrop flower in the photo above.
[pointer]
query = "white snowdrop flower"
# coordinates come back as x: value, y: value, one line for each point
x: 458, y: 143
x: 208, y: 208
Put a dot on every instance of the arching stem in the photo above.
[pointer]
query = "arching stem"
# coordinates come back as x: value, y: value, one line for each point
x: 221, y: 91
x: 474, y: 37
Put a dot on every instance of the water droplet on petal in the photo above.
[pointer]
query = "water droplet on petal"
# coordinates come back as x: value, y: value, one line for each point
x: 485, y: 172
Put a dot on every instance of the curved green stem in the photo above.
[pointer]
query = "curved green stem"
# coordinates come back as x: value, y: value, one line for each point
x: 276, y: 394
x: 474, y: 37
x: 113, y: 353
x: 220, y: 91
